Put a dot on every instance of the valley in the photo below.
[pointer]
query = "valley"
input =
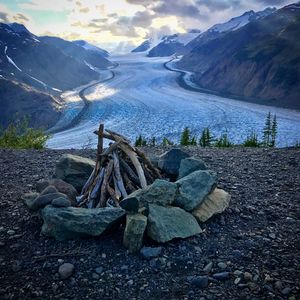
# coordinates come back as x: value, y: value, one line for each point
x: 145, y: 98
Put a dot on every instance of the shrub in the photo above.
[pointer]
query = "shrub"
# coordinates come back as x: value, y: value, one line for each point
x: 252, y: 141
x: 223, y: 141
x: 20, y: 136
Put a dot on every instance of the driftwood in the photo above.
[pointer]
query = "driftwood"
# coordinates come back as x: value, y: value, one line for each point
x: 120, y: 169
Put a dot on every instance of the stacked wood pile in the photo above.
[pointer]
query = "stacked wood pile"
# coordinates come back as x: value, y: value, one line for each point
x: 120, y: 169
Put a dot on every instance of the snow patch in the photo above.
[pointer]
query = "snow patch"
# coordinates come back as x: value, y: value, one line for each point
x: 10, y: 60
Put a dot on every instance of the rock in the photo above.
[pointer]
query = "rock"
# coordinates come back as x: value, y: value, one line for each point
x: 61, y: 202
x: 74, y: 170
x: 29, y: 198
x: 151, y: 252
x: 61, y: 186
x: 286, y: 291
x: 130, y: 204
x: 207, y: 269
x: 43, y: 200
x: 214, y: 203
x: 222, y: 265
x: 190, y: 165
x: 200, y: 282
x: 95, y: 276
x: 247, y: 276
x: 153, y: 159
x: 221, y: 276
x: 134, y: 232
x: 99, y: 270
x: 72, y: 222
x: 193, y: 189
x: 10, y: 232
x: 66, y: 270
x: 169, y: 162
x: 160, y: 192
x: 49, y: 190
x: 167, y: 223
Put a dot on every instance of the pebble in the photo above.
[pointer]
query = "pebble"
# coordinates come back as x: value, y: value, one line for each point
x: 237, y: 273
x: 247, y: 276
x: 208, y: 267
x: 151, y: 252
x: 95, y: 276
x: 11, y: 232
x: 221, y: 276
x: 61, y: 202
x: 222, y: 265
x: 66, y: 270
x: 286, y: 291
x: 130, y: 282
x: 99, y: 270
x: 200, y: 281
x: 2, y: 244
x: 278, y: 285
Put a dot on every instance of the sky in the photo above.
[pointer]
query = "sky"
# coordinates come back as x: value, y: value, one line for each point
x: 122, y: 24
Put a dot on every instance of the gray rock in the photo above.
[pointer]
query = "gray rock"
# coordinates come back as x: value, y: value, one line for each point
x: 134, y: 232
x: 215, y: 203
x: 61, y: 202
x: 66, y: 270
x: 99, y: 270
x: 221, y: 276
x: 207, y: 269
x: 169, y: 162
x: 200, y: 282
x: 167, y: 223
x: 74, y: 169
x: 190, y: 165
x: 193, y: 189
x: 222, y: 265
x: 151, y: 252
x: 160, y: 192
x: 72, y: 222
x: 43, y: 200
x: 130, y: 204
x: 29, y: 198
x: 61, y: 186
x: 49, y: 190
x: 153, y: 159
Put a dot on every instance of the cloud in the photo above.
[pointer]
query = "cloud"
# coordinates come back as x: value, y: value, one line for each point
x: 84, y: 10
x: 20, y: 18
x: 53, y: 5
x: 4, y: 17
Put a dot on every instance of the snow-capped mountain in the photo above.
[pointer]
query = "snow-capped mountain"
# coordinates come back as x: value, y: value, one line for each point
x: 91, y: 47
x: 166, y: 45
x: 229, y: 26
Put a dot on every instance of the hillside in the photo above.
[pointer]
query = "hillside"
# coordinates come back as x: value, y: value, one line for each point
x: 260, y: 60
x: 89, y: 57
x: 19, y: 100
x: 23, y: 57
x: 253, y: 244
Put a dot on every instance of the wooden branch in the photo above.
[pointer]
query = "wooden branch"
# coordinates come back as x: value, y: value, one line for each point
x: 117, y: 190
x: 126, y: 168
x: 129, y: 186
x: 113, y: 195
x: 118, y: 176
x: 88, y: 183
x: 100, y: 140
x: 107, y: 174
x: 95, y: 193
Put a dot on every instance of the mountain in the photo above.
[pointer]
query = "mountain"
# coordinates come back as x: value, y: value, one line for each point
x: 90, y: 47
x: 172, y: 44
x: 260, y: 61
x: 89, y: 57
x: 20, y: 100
x: 26, y: 58
x: 166, y: 45
x: 221, y: 29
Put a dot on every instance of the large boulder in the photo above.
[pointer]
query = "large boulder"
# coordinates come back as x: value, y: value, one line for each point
x: 73, y: 223
x: 61, y: 186
x: 167, y: 223
x: 190, y: 165
x: 214, y: 203
x: 29, y: 198
x: 74, y: 170
x: 169, y: 162
x: 134, y: 232
x: 160, y: 192
x: 193, y: 189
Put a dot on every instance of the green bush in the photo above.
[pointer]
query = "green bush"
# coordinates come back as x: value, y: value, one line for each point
x: 20, y: 136
x: 252, y: 141
x: 223, y: 142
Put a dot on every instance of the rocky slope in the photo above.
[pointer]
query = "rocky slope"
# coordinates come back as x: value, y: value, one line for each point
x: 23, y: 57
x: 260, y: 60
x: 19, y: 100
x: 253, y: 246
x: 84, y: 55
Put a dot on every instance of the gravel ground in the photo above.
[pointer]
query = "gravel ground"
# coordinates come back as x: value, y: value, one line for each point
x: 255, y: 243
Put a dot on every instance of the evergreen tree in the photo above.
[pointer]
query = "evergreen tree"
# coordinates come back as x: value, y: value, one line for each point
x: 267, y: 131
x: 251, y: 140
x: 206, y: 138
x: 166, y: 142
x: 153, y: 141
x: 185, y: 137
x: 273, y: 132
